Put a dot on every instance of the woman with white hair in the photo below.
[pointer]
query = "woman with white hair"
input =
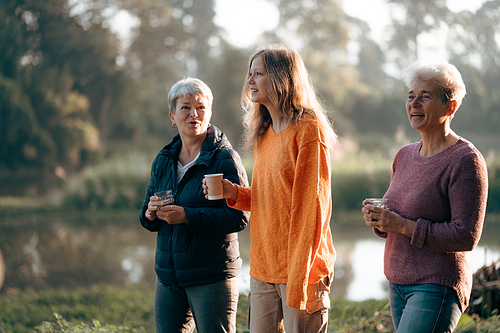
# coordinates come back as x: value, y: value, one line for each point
x: 436, y: 208
x: 197, y: 252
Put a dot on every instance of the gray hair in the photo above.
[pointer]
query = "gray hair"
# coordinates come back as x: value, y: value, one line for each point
x: 447, y: 78
x: 188, y: 87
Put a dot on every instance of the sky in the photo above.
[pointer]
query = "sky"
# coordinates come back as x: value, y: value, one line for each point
x: 245, y: 20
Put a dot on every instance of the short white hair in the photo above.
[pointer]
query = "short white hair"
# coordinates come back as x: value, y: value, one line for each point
x: 447, y: 78
x: 188, y: 87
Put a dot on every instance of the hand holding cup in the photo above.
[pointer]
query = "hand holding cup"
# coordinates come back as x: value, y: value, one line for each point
x: 377, y: 202
x: 158, y: 200
x: 215, y: 190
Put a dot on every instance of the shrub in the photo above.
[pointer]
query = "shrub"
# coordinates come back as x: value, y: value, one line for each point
x: 349, y: 190
x: 476, y: 324
x: 116, y: 183
x: 121, y: 181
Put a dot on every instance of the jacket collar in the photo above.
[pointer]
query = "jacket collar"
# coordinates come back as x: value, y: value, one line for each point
x: 214, y: 141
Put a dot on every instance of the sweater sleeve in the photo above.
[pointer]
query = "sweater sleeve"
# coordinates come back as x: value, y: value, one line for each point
x: 468, y: 190
x: 218, y: 218
x: 244, y: 201
x: 311, y: 207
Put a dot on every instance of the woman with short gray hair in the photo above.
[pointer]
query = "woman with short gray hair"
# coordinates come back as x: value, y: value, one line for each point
x: 197, y: 252
x: 436, y: 204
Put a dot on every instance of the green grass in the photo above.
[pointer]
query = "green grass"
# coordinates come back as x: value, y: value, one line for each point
x: 109, y: 309
x: 21, y: 312
x: 106, y: 307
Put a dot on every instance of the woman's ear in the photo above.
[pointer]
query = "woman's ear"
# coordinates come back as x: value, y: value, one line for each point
x: 452, y: 108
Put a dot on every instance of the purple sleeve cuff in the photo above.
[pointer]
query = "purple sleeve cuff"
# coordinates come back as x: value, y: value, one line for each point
x: 419, y: 233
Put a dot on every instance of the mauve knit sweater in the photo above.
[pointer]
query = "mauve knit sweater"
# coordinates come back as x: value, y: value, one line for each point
x: 446, y: 195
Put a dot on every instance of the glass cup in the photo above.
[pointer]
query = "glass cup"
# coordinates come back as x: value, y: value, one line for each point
x: 379, y: 202
x: 166, y: 197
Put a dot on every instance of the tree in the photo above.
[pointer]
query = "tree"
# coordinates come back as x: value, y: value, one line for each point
x: 57, y: 82
x: 313, y: 25
x: 320, y: 32
x: 420, y: 16
x: 474, y: 48
x: 226, y: 77
x: 175, y: 39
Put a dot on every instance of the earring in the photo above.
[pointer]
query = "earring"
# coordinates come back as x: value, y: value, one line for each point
x: 174, y: 125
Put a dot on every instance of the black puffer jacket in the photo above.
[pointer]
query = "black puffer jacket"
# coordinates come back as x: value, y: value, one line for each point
x: 206, y: 249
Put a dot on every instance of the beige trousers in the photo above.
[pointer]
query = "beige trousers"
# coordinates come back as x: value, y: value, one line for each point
x: 270, y: 314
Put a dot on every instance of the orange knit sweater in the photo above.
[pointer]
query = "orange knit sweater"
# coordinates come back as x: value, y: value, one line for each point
x: 290, y: 205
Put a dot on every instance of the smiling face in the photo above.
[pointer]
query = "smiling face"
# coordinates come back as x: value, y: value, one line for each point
x: 425, y: 107
x: 257, y: 82
x: 192, y: 115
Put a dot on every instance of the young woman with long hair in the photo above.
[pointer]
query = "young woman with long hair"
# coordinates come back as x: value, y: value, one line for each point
x: 292, y: 254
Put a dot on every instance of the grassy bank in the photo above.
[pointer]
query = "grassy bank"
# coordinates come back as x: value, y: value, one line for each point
x: 108, y: 309
x: 120, y: 182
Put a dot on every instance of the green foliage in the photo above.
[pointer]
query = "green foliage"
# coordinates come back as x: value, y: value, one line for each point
x: 475, y: 324
x: 494, y: 188
x: 367, y: 316
x: 63, y: 96
x: 175, y: 39
x: 68, y: 85
x: 57, y: 82
x: 108, y: 309
x: 226, y: 113
x: 349, y: 190
x: 22, y: 312
x: 119, y: 182
x: 318, y: 25
x: 131, y: 310
x: 63, y: 326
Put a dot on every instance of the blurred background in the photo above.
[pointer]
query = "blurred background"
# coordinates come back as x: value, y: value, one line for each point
x: 83, y: 112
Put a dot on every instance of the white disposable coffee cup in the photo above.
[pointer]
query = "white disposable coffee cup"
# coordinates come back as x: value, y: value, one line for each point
x: 214, y: 183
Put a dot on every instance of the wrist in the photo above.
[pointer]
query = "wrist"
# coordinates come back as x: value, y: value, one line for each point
x: 408, y: 227
x: 235, y: 192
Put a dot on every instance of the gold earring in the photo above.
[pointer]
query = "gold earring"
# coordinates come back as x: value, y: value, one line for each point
x: 174, y: 125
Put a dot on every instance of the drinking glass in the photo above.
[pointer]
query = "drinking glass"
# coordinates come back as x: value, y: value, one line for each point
x: 379, y: 202
x: 166, y: 197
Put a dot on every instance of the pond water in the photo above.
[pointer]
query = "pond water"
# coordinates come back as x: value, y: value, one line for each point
x: 71, y: 250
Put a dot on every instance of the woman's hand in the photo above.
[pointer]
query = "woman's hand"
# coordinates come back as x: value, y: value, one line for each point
x: 230, y: 190
x: 172, y: 214
x: 169, y: 213
x: 386, y: 221
x: 153, y: 205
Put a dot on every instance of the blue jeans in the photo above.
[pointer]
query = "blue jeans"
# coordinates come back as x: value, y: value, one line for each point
x: 424, y: 308
x: 212, y: 307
